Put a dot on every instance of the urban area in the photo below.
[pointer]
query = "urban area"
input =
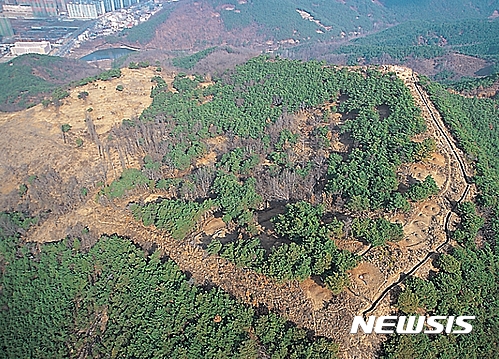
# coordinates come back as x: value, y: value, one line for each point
x: 57, y: 27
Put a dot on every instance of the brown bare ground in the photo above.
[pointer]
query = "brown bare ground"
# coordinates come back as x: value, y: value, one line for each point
x: 195, y: 26
x: 213, y: 226
x: 461, y: 65
x: 209, y: 159
x: 366, y: 278
x: 316, y: 293
x: 32, y: 138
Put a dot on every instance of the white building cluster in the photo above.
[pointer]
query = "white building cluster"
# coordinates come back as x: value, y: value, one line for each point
x: 38, y: 47
x: 91, y: 9
x: 85, y: 10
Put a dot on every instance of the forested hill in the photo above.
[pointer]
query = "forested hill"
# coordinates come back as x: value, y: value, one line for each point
x: 304, y: 19
x: 195, y: 25
x: 298, y: 174
x: 322, y: 144
x: 323, y: 19
x: 426, y: 40
x: 440, y: 9
x: 117, y: 301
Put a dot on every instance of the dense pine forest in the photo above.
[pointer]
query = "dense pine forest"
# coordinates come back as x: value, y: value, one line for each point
x: 117, y: 300
x: 428, y: 40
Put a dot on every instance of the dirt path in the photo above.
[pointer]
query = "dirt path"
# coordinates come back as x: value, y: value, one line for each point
x: 462, y: 176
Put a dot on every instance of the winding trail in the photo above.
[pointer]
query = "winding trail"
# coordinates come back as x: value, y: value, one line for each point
x: 463, y: 196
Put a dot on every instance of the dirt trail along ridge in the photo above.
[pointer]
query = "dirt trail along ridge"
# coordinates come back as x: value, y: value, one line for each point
x: 459, y: 172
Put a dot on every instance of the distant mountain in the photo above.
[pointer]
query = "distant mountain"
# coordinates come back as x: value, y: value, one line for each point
x: 445, y: 10
x: 335, y: 19
x: 304, y: 19
x: 196, y: 25
x: 476, y: 37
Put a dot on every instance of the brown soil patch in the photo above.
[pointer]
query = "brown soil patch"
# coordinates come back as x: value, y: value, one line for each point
x: 213, y: 226
x: 437, y: 159
x: 109, y: 106
x: 421, y: 170
x: 350, y: 245
x: 317, y: 294
x: 366, y: 280
x: 152, y: 198
x: 209, y: 159
x: 415, y: 233
x: 217, y: 144
x: 40, y: 129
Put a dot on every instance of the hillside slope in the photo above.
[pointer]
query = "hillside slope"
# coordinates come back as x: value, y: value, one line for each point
x: 424, y: 43
x: 25, y: 79
x: 195, y: 25
x: 442, y: 10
